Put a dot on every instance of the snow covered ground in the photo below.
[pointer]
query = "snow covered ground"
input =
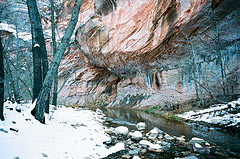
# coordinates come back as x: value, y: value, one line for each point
x: 68, y: 133
x: 222, y: 114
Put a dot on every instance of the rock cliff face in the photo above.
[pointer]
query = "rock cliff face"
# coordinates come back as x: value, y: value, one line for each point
x: 153, y: 52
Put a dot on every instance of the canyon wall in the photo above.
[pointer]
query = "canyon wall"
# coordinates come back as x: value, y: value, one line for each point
x: 152, y: 52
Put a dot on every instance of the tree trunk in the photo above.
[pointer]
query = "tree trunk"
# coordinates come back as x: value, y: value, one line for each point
x: 54, y: 49
x: 219, y: 57
x: 40, y: 61
x: 1, y: 81
x: 11, y: 81
x: 13, y: 92
x: 43, y: 95
x: 194, y: 67
x: 16, y: 75
x: 10, y: 76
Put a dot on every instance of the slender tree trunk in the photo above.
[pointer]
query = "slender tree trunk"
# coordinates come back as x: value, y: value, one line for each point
x: 194, y: 68
x: 219, y: 56
x: 16, y: 75
x: 1, y: 81
x: 40, y: 61
x: 44, y: 94
x: 9, y: 71
x: 54, y: 49
x: 11, y: 79
x: 200, y: 88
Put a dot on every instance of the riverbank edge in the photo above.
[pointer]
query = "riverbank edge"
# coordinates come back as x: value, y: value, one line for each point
x: 172, y: 115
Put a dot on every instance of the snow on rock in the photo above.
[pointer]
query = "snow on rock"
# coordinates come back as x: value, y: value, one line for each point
x: 141, y: 126
x: 156, y: 148
x: 154, y: 133
x: 181, y: 139
x: 68, y: 133
x: 136, y: 157
x: 168, y: 137
x: 136, y: 135
x: 197, y: 145
x: 145, y: 142
x: 121, y: 130
x: 152, y: 147
x: 197, y: 140
x: 221, y: 114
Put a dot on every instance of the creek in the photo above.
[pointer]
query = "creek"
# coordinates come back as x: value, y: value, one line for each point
x: 222, y: 139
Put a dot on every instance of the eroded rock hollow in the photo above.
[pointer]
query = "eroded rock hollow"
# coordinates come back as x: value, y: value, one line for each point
x: 153, y: 52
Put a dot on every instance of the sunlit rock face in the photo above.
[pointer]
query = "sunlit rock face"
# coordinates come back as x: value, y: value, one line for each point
x: 154, y: 52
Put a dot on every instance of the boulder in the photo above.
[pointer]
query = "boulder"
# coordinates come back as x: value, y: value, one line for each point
x: 197, y: 140
x: 200, y: 149
x: 121, y: 130
x: 166, y: 145
x: 156, y: 148
x: 18, y: 108
x: 145, y: 142
x: 133, y: 152
x: 141, y: 126
x: 137, y: 135
x: 154, y: 133
x: 168, y: 137
x: 181, y: 139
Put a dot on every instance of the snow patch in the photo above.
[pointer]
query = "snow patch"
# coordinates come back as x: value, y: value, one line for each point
x: 220, y: 114
x: 68, y: 133
x: 36, y: 45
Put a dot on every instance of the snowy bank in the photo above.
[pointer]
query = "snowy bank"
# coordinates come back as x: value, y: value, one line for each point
x: 68, y: 133
x: 224, y: 115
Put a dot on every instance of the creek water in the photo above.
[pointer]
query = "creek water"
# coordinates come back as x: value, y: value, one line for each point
x: 129, y: 118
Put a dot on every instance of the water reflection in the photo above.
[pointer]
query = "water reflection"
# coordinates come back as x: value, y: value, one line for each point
x: 130, y: 118
x: 124, y: 116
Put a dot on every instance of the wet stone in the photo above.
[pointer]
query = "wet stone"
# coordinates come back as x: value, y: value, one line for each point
x: 143, y: 151
x: 166, y: 146
x: 133, y: 152
x: 168, y: 137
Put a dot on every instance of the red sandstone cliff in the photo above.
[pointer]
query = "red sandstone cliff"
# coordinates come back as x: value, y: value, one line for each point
x: 151, y: 52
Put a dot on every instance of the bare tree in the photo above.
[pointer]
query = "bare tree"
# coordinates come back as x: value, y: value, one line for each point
x: 196, y: 75
x: 40, y: 61
x: 54, y: 49
x: 1, y: 81
x: 44, y: 94
x: 220, y: 59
